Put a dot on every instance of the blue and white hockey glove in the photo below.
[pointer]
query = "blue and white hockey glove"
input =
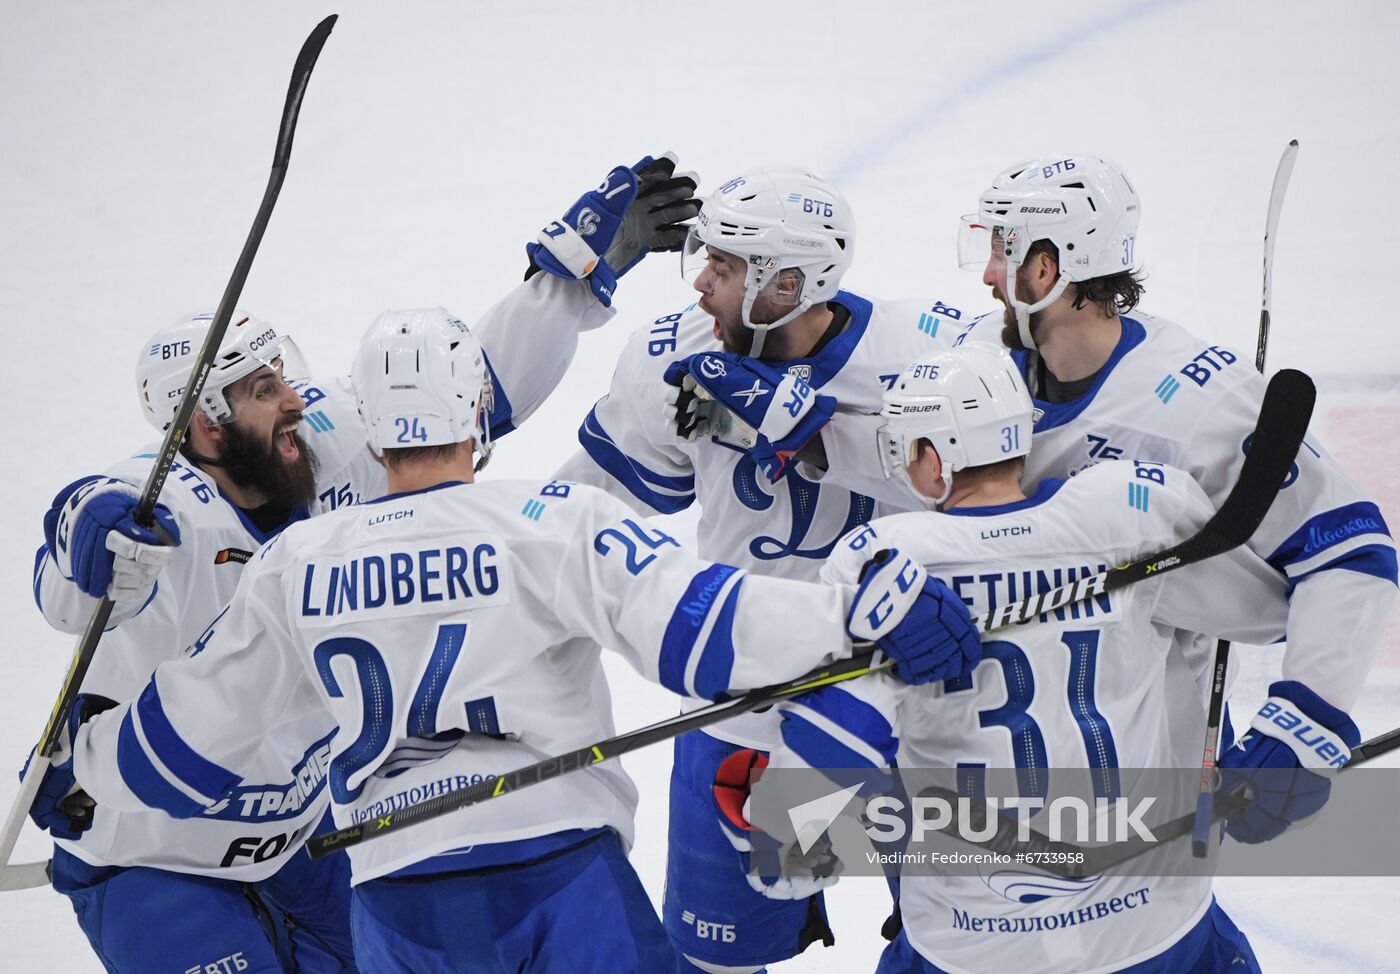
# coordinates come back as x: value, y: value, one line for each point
x: 96, y: 543
x: 766, y: 413
x: 1286, y: 760
x: 775, y: 871
x: 611, y: 228
x: 915, y: 619
x: 60, y: 806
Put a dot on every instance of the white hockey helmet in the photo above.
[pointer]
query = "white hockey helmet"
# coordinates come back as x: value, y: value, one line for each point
x: 776, y: 218
x: 1084, y: 205
x: 420, y: 379
x: 167, y: 360
x: 970, y: 402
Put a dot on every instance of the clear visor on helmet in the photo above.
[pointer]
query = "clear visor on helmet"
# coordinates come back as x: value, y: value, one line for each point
x: 252, y: 375
x: 975, y: 241
x: 760, y: 274
x: 693, y: 256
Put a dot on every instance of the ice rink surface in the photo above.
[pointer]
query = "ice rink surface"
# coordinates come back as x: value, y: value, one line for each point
x: 437, y: 138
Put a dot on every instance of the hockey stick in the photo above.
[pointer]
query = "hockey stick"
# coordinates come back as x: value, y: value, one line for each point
x: 150, y: 492
x: 1283, y: 418
x: 1200, y: 838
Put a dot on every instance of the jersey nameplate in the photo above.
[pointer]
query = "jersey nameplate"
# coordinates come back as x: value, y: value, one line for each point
x: 398, y: 580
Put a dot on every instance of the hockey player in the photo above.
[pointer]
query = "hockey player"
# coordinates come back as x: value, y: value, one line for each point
x: 450, y: 629
x: 1058, y: 249
x: 775, y: 338
x: 1079, y: 688
x: 1056, y: 240
x: 267, y: 448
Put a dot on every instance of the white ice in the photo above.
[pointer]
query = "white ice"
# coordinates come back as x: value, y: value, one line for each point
x: 437, y: 137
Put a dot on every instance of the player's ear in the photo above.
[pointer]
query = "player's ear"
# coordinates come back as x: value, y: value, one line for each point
x: 936, y: 462
x: 788, y: 284
x: 204, y: 427
x: 1045, y: 267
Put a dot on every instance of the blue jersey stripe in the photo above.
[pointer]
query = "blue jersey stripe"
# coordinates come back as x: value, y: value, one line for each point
x: 816, y: 747
x: 1372, y: 559
x: 852, y: 714
x: 717, y: 658
x: 145, y: 780
x: 1328, y: 529
x: 687, y: 621
x: 640, y: 481
x: 195, y: 772
x: 40, y: 557
x: 501, y: 419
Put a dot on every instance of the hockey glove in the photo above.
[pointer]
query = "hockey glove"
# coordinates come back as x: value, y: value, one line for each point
x: 612, y: 227
x: 657, y: 221
x: 96, y: 543
x: 775, y: 871
x: 61, y: 807
x: 915, y: 619
x: 1294, y: 744
x: 748, y: 406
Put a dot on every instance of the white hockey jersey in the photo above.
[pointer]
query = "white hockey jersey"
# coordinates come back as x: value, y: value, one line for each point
x: 452, y: 634
x: 1168, y: 396
x: 529, y: 339
x: 1083, y: 687
x: 631, y: 450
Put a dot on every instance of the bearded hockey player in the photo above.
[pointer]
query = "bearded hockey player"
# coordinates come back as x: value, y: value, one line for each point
x: 450, y: 629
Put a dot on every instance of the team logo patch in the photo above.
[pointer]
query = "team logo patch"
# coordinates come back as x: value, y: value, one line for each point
x: 587, y: 224
x: 236, y: 555
x: 711, y: 367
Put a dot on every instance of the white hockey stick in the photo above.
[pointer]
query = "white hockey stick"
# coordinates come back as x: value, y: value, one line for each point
x: 1200, y: 835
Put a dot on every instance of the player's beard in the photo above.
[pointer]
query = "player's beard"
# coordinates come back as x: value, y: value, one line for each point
x: 1010, y: 329
x: 736, y: 339
x: 252, y: 461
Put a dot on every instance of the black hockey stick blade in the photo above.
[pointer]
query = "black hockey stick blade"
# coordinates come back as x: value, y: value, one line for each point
x: 174, y: 435
x: 296, y: 90
x: 1283, y: 421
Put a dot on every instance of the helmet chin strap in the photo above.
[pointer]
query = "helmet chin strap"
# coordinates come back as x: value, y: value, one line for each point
x: 1024, y: 311
x: 760, y: 331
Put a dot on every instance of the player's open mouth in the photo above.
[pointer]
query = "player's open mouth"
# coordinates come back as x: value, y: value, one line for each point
x: 286, y: 443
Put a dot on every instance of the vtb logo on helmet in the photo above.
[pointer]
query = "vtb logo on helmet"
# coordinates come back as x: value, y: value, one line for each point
x: 249, y: 345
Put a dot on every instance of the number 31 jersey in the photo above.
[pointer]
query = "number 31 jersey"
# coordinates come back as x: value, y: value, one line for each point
x: 1084, y: 687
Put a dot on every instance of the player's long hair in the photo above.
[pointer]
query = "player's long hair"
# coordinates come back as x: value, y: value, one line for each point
x: 1115, y: 294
